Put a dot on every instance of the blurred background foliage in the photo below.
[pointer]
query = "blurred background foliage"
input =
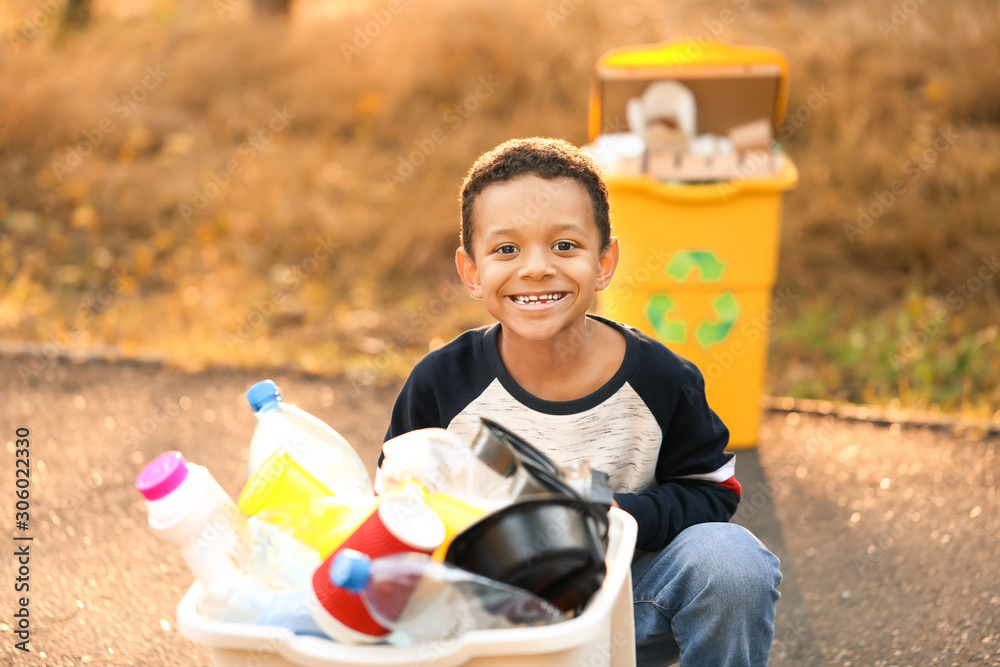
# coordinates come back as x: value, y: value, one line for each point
x: 215, y: 184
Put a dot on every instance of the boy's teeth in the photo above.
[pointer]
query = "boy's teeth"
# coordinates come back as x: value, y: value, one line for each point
x: 534, y: 298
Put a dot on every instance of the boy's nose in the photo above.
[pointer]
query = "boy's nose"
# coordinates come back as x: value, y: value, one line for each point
x: 535, y: 264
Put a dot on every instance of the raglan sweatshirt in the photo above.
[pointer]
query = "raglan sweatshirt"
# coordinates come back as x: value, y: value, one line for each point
x: 649, y: 427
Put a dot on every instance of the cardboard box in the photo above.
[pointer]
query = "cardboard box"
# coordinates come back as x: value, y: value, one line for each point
x: 740, y: 94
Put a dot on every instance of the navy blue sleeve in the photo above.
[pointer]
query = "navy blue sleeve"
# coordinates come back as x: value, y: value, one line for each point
x: 441, y: 385
x: 695, y: 476
x: 416, y: 405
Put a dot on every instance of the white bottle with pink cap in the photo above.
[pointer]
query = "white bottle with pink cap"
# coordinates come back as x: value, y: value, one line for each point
x: 188, y: 509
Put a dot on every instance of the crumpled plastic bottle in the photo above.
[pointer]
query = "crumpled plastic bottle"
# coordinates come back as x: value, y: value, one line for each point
x: 422, y: 600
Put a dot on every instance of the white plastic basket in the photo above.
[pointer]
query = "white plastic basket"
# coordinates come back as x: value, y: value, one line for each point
x: 602, y: 636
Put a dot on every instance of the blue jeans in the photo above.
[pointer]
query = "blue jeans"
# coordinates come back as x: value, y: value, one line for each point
x: 707, y: 598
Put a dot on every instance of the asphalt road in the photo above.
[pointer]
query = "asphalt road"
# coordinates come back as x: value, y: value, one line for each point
x: 888, y: 536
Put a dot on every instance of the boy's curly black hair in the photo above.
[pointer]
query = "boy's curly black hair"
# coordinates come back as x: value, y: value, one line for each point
x: 547, y: 158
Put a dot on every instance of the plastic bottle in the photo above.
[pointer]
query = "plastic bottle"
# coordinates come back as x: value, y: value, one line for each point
x: 188, y: 509
x: 236, y: 598
x: 274, y: 557
x: 423, y: 600
x: 313, y: 444
x: 321, y: 523
x: 459, y: 486
x: 442, y: 463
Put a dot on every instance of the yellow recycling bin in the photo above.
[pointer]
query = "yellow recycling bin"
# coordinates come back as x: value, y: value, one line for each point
x: 698, y: 214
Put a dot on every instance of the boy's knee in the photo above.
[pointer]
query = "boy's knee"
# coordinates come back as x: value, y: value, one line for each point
x: 733, y: 562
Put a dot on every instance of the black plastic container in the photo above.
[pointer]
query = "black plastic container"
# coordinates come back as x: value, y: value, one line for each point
x: 553, y: 547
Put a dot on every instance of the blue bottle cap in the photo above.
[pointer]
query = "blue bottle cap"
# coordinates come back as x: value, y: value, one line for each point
x: 351, y: 570
x: 263, y: 393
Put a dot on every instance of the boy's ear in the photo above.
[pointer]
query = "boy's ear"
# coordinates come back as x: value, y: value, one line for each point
x: 468, y: 272
x: 608, y: 264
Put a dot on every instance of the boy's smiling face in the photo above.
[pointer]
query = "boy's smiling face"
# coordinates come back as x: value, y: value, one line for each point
x: 537, y: 260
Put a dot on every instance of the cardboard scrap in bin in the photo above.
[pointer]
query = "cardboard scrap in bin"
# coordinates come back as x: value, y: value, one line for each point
x: 706, y: 112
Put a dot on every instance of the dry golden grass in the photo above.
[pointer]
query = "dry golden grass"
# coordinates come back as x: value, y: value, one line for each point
x: 101, y: 253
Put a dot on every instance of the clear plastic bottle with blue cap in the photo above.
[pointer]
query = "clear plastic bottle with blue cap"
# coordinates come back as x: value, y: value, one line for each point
x: 423, y: 600
x: 312, y: 443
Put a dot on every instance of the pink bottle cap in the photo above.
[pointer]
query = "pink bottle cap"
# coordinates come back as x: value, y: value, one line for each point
x: 162, y: 475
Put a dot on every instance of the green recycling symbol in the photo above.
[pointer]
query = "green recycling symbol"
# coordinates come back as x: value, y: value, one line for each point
x: 708, y: 269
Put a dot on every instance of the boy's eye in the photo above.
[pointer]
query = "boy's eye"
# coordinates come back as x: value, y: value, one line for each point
x: 565, y: 246
x: 507, y: 249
